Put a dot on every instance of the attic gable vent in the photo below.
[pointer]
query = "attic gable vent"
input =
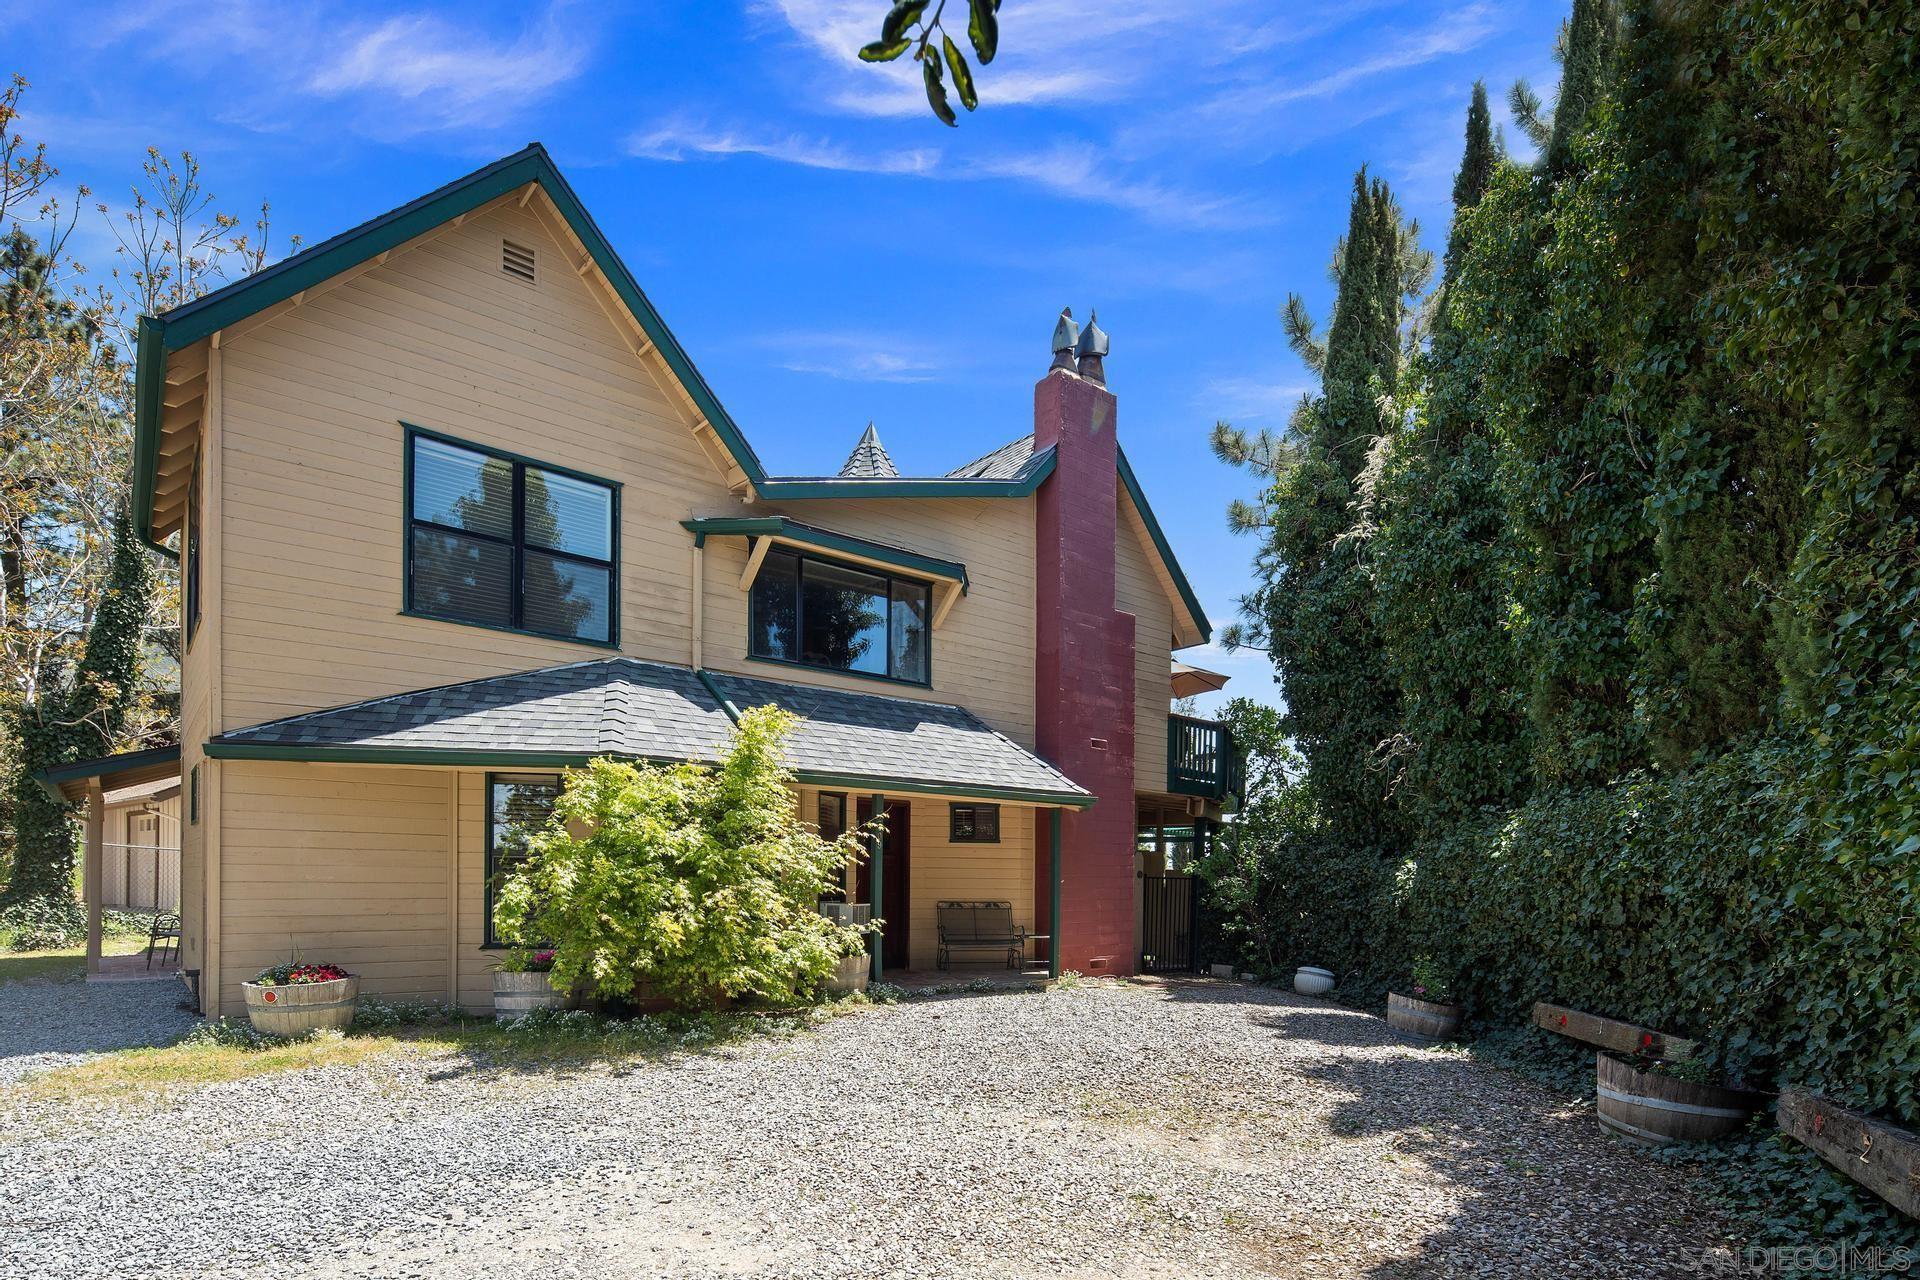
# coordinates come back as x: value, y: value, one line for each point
x: 517, y: 261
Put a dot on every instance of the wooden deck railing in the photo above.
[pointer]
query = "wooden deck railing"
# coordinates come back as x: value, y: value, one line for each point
x: 1201, y: 760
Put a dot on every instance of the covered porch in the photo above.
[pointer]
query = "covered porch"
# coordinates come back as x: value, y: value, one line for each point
x: 131, y: 785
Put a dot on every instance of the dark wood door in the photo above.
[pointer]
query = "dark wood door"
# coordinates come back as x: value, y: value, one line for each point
x: 895, y: 871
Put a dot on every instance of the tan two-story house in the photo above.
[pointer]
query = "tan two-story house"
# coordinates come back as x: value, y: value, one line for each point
x: 455, y: 511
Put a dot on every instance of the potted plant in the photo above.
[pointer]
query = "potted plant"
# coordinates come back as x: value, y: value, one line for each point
x: 299, y: 998
x: 522, y: 982
x: 1429, y: 1011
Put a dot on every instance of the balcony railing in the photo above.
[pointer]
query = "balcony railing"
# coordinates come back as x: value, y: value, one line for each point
x: 1201, y: 760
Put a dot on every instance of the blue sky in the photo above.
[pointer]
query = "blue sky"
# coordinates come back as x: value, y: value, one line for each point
x: 826, y: 251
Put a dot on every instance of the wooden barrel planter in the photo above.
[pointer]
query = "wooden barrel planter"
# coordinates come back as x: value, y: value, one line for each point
x: 1423, y: 1018
x: 516, y: 995
x: 302, y: 1008
x: 851, y: 974
x: 1652, y: 1109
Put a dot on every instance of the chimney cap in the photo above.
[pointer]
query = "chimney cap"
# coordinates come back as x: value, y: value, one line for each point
x: 1066, y: 332
x: 1093, y: 339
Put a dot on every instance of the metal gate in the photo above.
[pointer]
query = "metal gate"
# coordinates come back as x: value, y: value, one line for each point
x: 1166, y: 923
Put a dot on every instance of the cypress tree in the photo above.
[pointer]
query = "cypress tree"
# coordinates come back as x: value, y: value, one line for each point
x: 1317, y: 605
x: 1444, y: 560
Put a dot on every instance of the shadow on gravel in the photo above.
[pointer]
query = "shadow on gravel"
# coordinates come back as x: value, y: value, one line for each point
x: 1540, y: 1189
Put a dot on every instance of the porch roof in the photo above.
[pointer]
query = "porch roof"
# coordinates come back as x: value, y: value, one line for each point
x: 557, y: 717
x: 68, y: 782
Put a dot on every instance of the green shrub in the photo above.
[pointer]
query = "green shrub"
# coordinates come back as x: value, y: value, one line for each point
x: 42, y: 923
x: 699, y: 884
x: 1699, y: 903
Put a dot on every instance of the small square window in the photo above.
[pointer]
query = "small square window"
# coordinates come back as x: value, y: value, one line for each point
x: 973, y: 823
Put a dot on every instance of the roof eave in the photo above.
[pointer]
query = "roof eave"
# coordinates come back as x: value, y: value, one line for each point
x: 1195, y: 613
x: 507, y: 758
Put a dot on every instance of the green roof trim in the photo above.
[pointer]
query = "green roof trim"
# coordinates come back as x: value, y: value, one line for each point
x: 1185, y: 588
x: 784, y: 488
x: 190, y: 323
x: 497, y: 758
x: 808, y: 535
x: 185, y: 325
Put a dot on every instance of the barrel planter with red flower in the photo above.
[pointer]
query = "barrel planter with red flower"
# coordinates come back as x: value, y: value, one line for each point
x: 1646, y: 1104
x: 523, y: 983
x: 299, y: 999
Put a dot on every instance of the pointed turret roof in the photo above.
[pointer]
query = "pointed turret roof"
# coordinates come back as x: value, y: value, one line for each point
x: 869, y: 460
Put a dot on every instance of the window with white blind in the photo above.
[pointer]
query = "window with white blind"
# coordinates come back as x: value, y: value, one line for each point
x: 497, y: 540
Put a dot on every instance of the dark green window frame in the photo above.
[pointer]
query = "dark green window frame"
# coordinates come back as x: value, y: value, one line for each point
x: 517, y: 545
x: 193, y: 795
x: 493, y: 868
x: 832, y: 828
x: 191, y: 573
x: 973, y: 824
x: 806, y: 557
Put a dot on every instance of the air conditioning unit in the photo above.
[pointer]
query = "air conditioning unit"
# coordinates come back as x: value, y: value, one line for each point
x: 852, y: 913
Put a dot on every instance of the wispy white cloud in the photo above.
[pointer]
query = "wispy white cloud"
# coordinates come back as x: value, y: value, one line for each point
x: 1072, y: 170
x: 1237, y: 396
x: 850, y: 356
x: 681, y: 138
x: 447, y: 75
x: 405, y: 73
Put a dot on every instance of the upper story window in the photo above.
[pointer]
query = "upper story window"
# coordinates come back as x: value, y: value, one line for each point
x: 502, y: 541
x: 841, y: 617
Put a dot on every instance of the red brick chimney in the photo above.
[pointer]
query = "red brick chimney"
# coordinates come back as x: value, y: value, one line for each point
x: 1084, y: 687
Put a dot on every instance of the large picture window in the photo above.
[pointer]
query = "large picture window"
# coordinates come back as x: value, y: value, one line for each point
x: 500, y: 541
x: 842, y: 617
x: 516, y: 808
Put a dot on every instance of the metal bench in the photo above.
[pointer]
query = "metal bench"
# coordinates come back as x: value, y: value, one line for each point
x: 979, y: 926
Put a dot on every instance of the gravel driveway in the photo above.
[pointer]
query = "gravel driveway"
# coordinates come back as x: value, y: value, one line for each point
x: 46, y: 1024
x: 1188, y: 1129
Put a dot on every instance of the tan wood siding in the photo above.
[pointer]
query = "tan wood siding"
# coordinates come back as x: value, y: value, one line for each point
x: 942, y: 871
x: 343, y: 864
x: 1138, y: 591
x: 439, y: 337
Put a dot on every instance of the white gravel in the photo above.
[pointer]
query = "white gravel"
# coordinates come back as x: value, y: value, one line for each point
x: 1188, y: 1129
x: 48, y: 1024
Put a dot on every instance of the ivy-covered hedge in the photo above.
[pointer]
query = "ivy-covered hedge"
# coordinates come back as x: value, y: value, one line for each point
x: 1705, y: 903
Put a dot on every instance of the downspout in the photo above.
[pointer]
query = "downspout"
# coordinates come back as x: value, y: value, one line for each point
x: 1053, y: 924
x: 699, y: 585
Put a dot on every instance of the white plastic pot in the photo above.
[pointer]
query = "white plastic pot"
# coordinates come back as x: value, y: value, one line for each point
x: 1310, y: 980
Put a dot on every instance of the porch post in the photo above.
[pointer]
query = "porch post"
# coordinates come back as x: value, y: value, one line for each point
x: 95, y: 869
x: 1053, y: 925
x: 876, y: 881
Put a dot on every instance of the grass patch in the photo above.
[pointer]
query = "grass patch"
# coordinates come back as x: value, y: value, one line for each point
x: 63, y: 964
x: 546, y: 1042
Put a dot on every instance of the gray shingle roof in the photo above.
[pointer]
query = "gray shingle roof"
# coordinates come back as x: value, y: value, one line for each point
x: 625, y: 707
x: 617, y: 706
x: 1004, y: 463
x: 863, y: 734
x: 869, y: 460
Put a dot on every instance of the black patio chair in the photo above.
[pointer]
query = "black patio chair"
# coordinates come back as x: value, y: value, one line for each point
x: 164, y: 936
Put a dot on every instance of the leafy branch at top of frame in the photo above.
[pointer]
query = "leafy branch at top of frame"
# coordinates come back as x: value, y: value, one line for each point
x: 909, y: 26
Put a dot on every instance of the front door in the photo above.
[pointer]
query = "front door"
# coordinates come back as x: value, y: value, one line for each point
x: 895, y: 868
x: 143, y: 861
